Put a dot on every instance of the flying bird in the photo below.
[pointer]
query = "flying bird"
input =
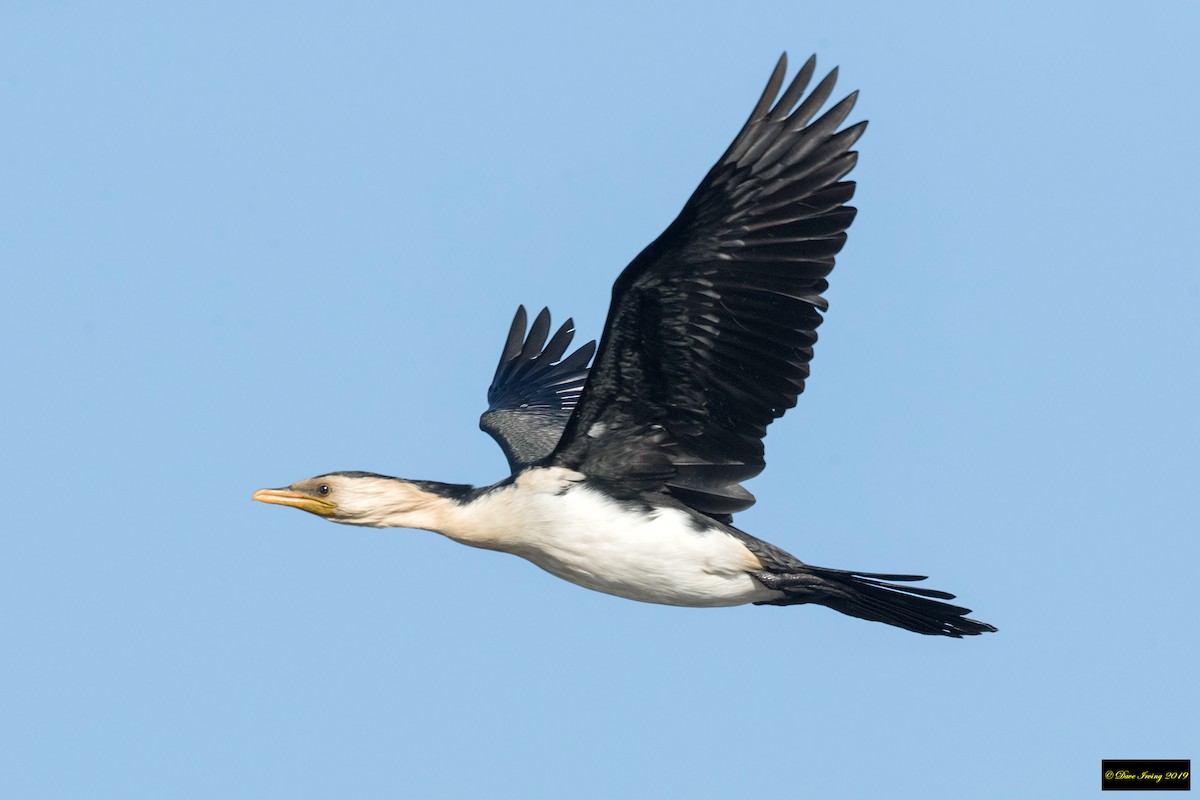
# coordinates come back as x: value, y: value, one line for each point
x: 625, y: 476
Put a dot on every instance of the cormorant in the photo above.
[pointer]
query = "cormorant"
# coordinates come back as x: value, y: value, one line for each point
x: 625, y: 477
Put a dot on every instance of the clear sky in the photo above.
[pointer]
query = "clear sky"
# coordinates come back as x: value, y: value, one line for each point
x: 243, y: 244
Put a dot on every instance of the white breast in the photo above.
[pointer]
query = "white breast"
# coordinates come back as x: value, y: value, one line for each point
x: 583, y: 536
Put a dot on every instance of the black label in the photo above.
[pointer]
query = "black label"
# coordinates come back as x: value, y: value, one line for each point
x: 1145, y: 774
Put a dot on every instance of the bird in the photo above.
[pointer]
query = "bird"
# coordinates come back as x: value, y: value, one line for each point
x: 625, y: 474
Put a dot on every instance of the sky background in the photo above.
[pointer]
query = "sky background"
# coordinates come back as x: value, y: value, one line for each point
x: 243, y: 244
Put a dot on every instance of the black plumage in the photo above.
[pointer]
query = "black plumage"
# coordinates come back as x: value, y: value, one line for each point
x: 712, y: 326
x: 535, y: 389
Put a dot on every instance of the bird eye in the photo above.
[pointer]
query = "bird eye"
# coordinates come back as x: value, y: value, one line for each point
x: 323, y: 489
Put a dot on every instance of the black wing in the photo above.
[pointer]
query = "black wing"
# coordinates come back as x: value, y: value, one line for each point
x: 711, y: 327
x: 534, y: 392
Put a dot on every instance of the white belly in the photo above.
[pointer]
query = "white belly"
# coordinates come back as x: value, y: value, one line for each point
x: 584, y: 537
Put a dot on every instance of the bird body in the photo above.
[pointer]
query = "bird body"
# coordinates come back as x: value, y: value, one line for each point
x: 626, y: 475
x: 554, y: 518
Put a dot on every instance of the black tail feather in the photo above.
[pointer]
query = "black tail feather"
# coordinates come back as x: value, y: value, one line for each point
x: 865, y: 595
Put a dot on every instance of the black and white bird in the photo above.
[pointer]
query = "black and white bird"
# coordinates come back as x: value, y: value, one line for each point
x: 625, y: 476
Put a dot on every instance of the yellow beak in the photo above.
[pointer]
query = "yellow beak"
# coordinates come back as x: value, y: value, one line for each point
x: 300, y: 500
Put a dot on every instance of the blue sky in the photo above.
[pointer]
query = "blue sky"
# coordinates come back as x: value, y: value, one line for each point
x: 245, y: 244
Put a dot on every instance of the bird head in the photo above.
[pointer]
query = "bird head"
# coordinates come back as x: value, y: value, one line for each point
x: 362, y: 498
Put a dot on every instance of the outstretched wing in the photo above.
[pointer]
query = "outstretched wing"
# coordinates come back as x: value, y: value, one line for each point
x: 535, y: 389
x: 712, y: 326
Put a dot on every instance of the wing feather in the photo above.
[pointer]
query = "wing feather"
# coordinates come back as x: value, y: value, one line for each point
x: 535, y: 389
x: 712, y: 327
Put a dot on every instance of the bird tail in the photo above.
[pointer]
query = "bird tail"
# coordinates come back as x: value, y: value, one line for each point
x: 867, y: 595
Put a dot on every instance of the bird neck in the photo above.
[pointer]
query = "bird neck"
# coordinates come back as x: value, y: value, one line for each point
x: 462, y: 513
